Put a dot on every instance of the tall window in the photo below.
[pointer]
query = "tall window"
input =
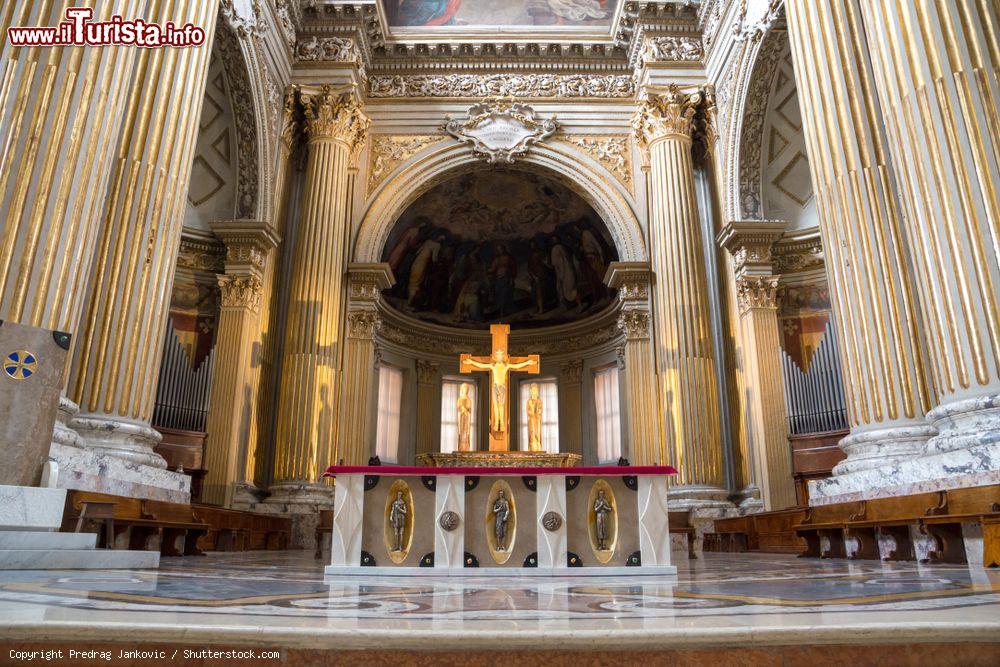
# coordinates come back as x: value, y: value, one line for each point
x: 549, y: 393
x: 450, y: 390
x: 390, y: 396
x: 609, y: 419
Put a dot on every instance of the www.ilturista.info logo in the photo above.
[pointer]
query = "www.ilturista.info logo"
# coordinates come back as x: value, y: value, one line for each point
x: 79, y: 30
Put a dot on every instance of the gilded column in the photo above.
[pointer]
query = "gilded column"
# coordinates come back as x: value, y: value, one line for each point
x: 428, y: 409
x: 937, y: 74
x: 632, y: 280
x: 750, y: 244
x: 305, y: 445
x: 59, y: 119
x: 120, y: 341
x: 248, y: 243
x: 357, y: 407
x: 663, y: 125
x: 862, y: 228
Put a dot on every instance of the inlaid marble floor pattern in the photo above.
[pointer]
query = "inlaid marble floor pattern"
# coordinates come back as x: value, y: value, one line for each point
x: 286, y: 595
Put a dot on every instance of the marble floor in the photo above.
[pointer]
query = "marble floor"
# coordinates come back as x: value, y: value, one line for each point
x: 283, y: 599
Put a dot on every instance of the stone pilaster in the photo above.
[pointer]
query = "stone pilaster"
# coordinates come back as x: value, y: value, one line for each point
x: 632, y: 280
x: 59, y: 117
x: 357, y: 408
x: 685, y: 362
x: 248, y: 245
x: 750, y: 243
x: 571, y: 407
x: 862, y: 228
x: 304, y: 445
x: 428, y: 410
x: 119, y: 344
x: 936, y: 75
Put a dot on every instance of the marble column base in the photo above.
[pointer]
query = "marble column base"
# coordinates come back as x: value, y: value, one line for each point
x: 974, y: 466
x: 301, y: 502
x: 93, y: 470
x: 697, y: 496
x: 131, y: 442
x: 246, y: 495
x: 881, y: 447
x: 748, y: 499
x: 62, y: 433
x: 965, y: 423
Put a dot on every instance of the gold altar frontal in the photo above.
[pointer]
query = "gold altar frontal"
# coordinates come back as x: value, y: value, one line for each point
x: 498, y: 460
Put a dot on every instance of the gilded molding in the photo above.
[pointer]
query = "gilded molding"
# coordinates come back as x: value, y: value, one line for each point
x: 667, y: 112
x: 502, y: 85
x: 240, y: 291
x: 390, y: 150
x: 757, y: 292
x: 335, y: 115
x: 612, y: 151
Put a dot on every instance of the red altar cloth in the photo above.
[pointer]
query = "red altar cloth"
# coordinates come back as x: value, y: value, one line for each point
x: 333, y: 471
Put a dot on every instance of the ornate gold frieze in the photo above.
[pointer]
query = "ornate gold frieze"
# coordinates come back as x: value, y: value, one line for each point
x: 335, y: 115
x: 502, y: 85
x: 498, y: 459
x: 612, y: 151
x: 798, y: 256
x: 390, y: 150
x: 669, y: 111
x: 201, y: 255
x: 240, y: 291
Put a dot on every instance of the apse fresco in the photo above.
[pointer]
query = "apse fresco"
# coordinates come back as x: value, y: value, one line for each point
x: 499, y: 245
x: 429, y: 13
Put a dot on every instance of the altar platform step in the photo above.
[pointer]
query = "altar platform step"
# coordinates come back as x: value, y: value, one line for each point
x: 77, y: 559
x: 30, y: 540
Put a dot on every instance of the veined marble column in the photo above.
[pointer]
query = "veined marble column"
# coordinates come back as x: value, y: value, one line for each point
x: 59, y: 118
x: 936, y: 70
x: 750, y: 243
x: 862, y: 229
x: 336, y: 126
x: 428, y: 410
x: 632, y: 280
x: 120, y: 341
x: 248, y: 244
x: 685, y: 362
x: 357, y: 408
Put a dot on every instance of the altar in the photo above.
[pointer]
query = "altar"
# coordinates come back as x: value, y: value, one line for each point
x: 516, y: 521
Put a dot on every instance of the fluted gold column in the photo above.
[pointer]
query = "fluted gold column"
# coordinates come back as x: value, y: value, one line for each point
x: 259, y: 453
x: 357, y: 407
x: 632, y: 280
x: 248, y: 244
x: 306, y: 422
x: 861, y: 225
x: 937, y: 75
x: 120, y: 342
x: 689, y: 398
x: 59, y: 118
x: 750, y: 244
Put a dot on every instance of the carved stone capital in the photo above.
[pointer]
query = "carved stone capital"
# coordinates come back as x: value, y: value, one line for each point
x: 427, y: 372
x: 572, y: 371
x: 363, y: 324
x: 365, y: 282
x: 634, y: 323
x: 631, y: 279
x: 334, y: 114
x: 247, y: 242
x: 240, y: 291
x: 667, y: 112
x: 757, y: 292
x: 289, y: 121
x: 750, y: 243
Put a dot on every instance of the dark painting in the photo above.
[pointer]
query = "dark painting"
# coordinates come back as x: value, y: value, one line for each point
x: 499, y: 245
x: 429, y: 13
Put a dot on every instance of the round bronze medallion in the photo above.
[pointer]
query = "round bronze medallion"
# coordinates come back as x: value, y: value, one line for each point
x: 449, y: 520
x: 552, y: 521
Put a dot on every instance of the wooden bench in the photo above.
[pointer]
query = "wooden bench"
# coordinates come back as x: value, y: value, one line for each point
x: 239, y: 530
x: 890, y: 518
x: 323, y: 530
x: 943, y: 522
x: 774, y: 532
x: 730, y: 535
x: 679, y: 523
x: 830, y: 522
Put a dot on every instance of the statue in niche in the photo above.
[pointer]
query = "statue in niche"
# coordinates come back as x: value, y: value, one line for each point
x: 397, y: 517
x: 602, y: 511
x: 501, y: 515
x: 534, y: 410
x: 464, y: 408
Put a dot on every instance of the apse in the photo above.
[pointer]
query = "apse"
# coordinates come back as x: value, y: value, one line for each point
x: 499, y: 245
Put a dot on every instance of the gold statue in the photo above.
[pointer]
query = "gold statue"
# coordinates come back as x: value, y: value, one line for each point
x: 534, y: 410
x: 464, y: 407
x: 499, y: 365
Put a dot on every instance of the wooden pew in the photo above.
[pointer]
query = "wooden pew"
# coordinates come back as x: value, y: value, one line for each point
x: 892, y: 518
x: 774, y: 532
x: 239, y: 530
x: 943, y: 523
x: 829, y: 521
x: 679, y: 522
x: 732, y: 535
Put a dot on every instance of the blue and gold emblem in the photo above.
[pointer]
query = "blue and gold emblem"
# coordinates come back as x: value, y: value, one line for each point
x: 20, y: 364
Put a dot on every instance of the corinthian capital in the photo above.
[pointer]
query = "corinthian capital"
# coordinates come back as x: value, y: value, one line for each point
x: 634, y: 323
x: 667, y: 112
x: 757, y: 292
x: 334, y: 114
x: 289, y: 122
x: 240, y: 291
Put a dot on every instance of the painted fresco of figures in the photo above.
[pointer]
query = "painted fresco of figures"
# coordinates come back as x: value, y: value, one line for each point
x: 497, y: 245
x: 490, y: 12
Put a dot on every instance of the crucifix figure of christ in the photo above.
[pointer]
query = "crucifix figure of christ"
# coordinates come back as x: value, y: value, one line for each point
x: 499, y: 366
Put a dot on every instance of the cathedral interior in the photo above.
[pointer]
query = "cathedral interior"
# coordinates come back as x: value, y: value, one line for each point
x: 710, y: 287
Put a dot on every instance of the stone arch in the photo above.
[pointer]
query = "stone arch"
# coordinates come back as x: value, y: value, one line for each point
x: 446, y: 159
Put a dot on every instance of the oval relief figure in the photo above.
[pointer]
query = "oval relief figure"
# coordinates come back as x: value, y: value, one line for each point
x: 534, y: 410
x: 603, y: 521
x: 398, y: 524
x: 501, y: 521
x: 464, y: 408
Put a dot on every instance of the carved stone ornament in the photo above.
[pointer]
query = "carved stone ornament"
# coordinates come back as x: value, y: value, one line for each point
x: 325, y: 49
x: 552, y: 521
x: 240, y: 291
x: 572, y: 371
x: 335, y: 115
x: 634, y: 323
x: 449, y: 521
x: 611, y: 151
x: 757, y: 292
x: 244, y: 117
x: 752, y: 132
x: 673, y: 48
x: 500, y: 131
x: 503, y: 85
x: 755, y: 18
x: 670, y: 111
x: 244, y: 17
x: 388, y: 151
x: 427, y: 372
x: 798, y: 256
x: 363, y: 324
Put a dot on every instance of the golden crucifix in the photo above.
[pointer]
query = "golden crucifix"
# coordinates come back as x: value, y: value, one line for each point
x: 499, y: 365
